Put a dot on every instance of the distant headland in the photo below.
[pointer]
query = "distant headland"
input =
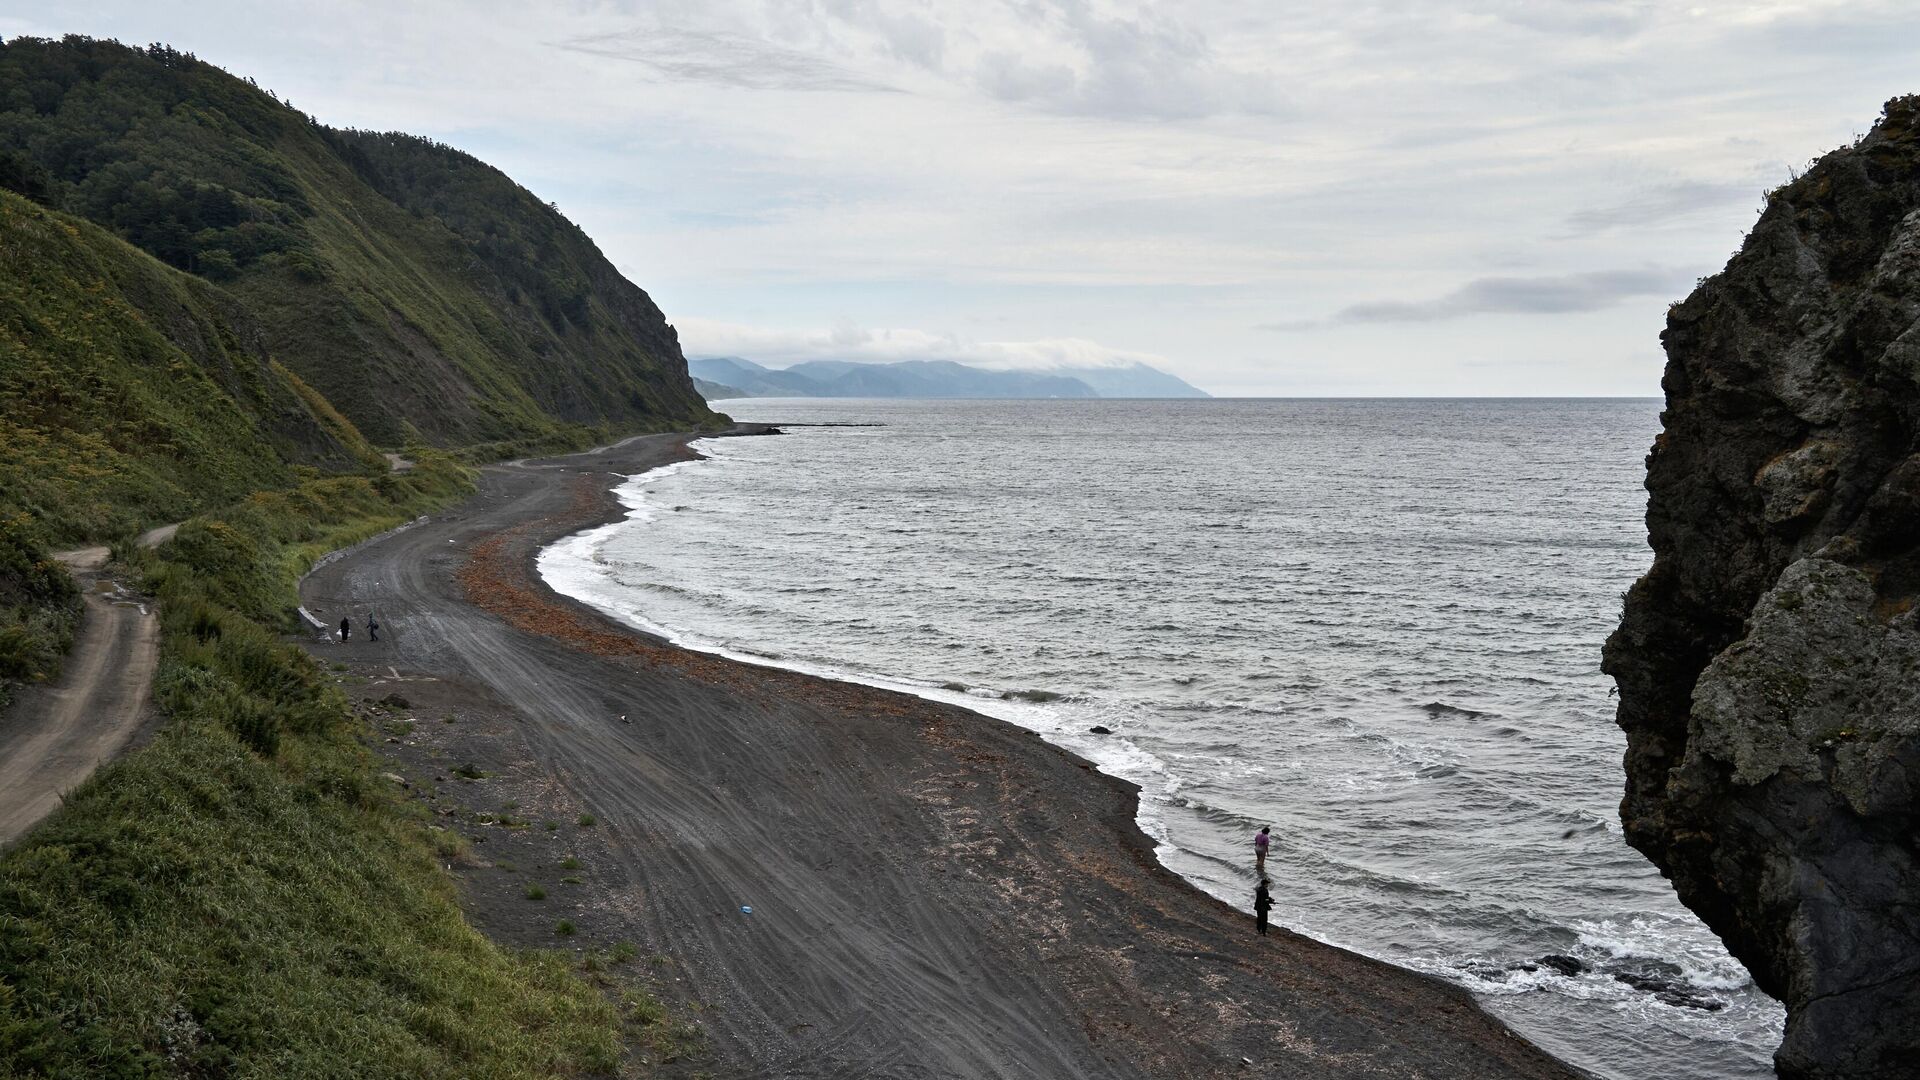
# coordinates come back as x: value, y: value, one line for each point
x: 720, y: 377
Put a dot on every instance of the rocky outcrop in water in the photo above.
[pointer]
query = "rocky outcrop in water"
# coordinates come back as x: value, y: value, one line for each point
x: 1769, y: 662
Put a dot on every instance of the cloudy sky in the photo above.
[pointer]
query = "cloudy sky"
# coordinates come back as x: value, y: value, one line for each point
x: 1263, y: 198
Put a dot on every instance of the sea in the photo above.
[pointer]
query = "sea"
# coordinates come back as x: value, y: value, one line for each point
x: 1373, y: 625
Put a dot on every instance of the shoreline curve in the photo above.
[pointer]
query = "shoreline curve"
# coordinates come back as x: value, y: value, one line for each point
x: 935, y: 891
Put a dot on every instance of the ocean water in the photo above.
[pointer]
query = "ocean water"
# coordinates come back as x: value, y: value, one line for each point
x: 1374, y: 625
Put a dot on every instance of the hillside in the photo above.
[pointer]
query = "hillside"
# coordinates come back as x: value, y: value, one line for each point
x: 714, y: 391
x: 423, y: 292
x: 934, y: 379
x: 132, y: 393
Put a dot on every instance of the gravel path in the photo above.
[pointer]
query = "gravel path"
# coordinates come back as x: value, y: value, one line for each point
x: 56, y: 735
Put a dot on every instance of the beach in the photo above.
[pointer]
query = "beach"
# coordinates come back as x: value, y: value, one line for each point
x: 932, y: 892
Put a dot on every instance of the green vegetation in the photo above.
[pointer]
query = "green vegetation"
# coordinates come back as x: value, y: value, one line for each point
x: 39, y: 607
x: 128, y: 394
x: 242, y: 897
x: 205, y: 299
x: 421, y: 291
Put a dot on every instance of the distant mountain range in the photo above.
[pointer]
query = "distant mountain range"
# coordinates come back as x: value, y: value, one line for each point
x: 730, y: 376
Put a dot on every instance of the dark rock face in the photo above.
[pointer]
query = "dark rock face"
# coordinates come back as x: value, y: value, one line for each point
x: 1769, y: 662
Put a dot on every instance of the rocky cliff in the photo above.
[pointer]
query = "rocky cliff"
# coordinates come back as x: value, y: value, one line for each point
x: 1769, y: 662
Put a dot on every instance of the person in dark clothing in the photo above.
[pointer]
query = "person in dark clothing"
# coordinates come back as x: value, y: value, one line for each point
x: 373, y: 627
x: 346, y: 629
x: 1262, y: 903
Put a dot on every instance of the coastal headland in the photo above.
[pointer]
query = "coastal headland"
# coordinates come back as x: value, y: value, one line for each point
x: 833, y: 880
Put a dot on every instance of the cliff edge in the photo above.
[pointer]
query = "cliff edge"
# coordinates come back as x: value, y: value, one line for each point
x: 1769, y: 662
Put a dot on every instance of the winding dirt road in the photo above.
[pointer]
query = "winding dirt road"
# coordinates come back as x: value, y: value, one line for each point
x: 933, y: 893
x: 55, y: 736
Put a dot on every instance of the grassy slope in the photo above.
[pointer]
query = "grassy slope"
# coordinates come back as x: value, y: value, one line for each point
x: 448, y: 304
x: 243, y: 897
x: 39, y: 607
x: 131, y: 393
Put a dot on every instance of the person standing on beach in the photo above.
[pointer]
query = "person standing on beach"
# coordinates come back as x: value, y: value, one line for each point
x: 1260, y: 841
x: 373, y: 626
x: 346, y: 629
x: 1262, y: 903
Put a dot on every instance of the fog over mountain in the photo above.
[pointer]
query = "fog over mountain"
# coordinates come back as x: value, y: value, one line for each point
x: 930, y: 379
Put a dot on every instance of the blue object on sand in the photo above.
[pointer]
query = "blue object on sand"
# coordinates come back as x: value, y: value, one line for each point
x: 745, y: 910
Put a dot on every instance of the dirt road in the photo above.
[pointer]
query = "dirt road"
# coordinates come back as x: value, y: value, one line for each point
x: 933, y: 893
x: 55, y: 736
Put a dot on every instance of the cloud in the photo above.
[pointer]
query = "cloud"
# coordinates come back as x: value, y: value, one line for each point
x: 1063, y: 57
x: 1558, y: 295
x: 727, y: 59
x: 847, y: 341
x: 1611, y: 18
x: 1055, y: 174
x: 1663, y: 203
x: 1149, y: 67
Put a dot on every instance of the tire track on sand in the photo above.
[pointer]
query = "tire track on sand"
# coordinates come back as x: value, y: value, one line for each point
x: 934, y: 893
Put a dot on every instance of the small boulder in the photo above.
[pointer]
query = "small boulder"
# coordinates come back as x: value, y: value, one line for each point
x: 1565, y: 965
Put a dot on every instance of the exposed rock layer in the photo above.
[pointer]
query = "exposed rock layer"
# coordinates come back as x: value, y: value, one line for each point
x: 1769, y: 662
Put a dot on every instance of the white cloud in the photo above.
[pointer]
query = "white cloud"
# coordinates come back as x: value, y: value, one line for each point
x: 1160, y: 178
x: 1554, y: 295
x: 727, y: 59
x: 1071, y: 57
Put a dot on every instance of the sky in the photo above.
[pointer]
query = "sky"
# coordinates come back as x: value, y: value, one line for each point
x: 1294, y: 199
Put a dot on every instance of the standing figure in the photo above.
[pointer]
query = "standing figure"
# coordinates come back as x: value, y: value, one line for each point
x: 346, y: 629
x: 1260, y: 852
x: 1262, y: 903
x: 373, y: 627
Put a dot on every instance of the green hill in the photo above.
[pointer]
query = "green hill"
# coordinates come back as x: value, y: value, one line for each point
x: 423, y: 292
x: 132, y: 393
x: 193, y: 275
x: 204, y: 294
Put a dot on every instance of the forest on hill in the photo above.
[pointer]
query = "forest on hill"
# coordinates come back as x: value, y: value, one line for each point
x: 424, y: 293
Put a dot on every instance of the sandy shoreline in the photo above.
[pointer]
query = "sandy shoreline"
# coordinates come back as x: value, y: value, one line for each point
x: 935, y: 892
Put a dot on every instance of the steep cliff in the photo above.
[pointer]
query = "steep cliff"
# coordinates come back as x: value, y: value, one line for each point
x: 1769, y: 662
x: 423, y: 292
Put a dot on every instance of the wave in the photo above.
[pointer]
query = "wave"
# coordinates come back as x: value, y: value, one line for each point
x: 1402, y: 740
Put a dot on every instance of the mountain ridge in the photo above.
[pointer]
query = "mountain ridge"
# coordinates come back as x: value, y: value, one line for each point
x: 934, y: 379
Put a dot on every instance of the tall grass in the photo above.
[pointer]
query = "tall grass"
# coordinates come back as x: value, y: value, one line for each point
x: 39, y: 607
x: 240, y: 898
